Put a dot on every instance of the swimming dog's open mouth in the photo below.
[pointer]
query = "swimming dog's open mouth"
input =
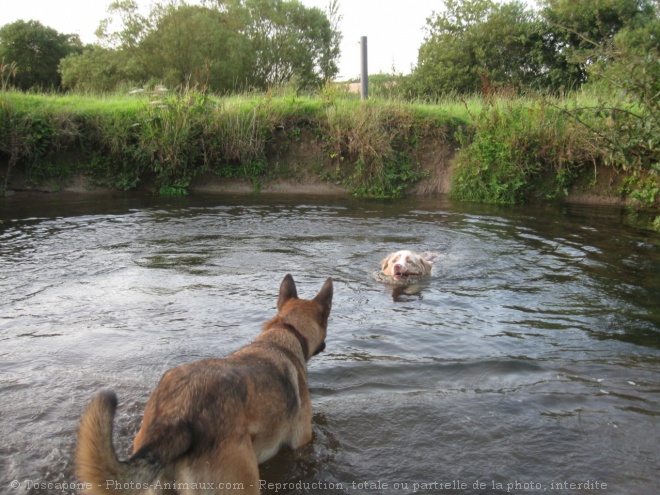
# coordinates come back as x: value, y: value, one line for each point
x: 398, y: 276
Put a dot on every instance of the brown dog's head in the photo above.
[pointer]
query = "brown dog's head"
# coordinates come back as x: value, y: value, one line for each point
x: 405, y: 264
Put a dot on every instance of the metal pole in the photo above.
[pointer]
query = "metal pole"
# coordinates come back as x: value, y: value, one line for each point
x: 364, y: 79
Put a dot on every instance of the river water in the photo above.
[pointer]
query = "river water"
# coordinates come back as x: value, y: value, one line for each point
x: 529, y: 362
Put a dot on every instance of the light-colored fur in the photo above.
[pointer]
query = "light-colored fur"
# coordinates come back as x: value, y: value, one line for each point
x: 405, y: 264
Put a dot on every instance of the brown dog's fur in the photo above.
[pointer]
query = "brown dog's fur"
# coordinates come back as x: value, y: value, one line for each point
x: 208, y: 424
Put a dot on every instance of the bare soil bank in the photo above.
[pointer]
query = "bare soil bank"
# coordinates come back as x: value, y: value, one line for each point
x: 297, y: 169
x: 302, y: 160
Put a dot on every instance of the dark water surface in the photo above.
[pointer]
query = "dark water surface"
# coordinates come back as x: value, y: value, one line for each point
x: 529, y: 362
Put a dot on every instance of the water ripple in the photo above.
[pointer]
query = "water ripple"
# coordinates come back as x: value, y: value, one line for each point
x: 532, y: 351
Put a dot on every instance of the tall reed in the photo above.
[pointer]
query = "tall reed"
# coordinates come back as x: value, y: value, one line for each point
x: 371, y: 145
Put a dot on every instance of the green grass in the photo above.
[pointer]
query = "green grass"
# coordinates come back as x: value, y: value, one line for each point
x: 74, y: 104
x: 368, y: 146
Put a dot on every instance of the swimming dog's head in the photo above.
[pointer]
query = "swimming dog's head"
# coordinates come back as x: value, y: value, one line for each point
x: 405, y: 264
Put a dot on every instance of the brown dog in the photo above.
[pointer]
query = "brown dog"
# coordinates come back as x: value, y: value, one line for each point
x: 208, y: 424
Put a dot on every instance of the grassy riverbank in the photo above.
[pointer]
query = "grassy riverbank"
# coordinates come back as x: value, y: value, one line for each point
x: 499, y: 149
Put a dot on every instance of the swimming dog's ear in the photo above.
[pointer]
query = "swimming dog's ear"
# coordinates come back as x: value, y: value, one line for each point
x: 428, y: 265
x: 287, y: 291
x: 429, y: 256
x: 385, y: 261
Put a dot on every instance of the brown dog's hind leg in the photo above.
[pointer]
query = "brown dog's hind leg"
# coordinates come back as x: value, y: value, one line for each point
x: 231, y: 469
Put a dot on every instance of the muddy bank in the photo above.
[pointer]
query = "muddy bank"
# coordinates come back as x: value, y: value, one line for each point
x: 302, y: 167
x: 436, y: 184
x: 427, y: 187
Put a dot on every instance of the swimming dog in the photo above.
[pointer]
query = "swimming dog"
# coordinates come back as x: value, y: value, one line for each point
x: 404, y: 265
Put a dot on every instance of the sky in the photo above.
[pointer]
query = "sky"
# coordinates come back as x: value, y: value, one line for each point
x: 394, y: 28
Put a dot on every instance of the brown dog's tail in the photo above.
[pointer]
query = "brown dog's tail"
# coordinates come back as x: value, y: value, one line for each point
x: 97, y: 464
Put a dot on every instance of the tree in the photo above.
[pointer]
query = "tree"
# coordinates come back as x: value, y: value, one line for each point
x: 509, y: 44
x: 37, y: 51
x: 577, y: 29
x: 626, y: 68
x: 194, y: 44
x: 581, y: 24
x: 289, y: 41
x: 133, y: 26
x: 227, y: 44
x: 328, y: 59
x: 99, y: 69
x: 476, y: 42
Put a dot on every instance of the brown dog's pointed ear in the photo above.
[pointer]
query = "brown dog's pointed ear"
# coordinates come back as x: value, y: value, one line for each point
x: 287, y: 291
x: 324, y: 297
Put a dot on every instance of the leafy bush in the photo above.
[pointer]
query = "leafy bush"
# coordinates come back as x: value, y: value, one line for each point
x: 495, y: 165
x: 626, y: 117
x: 517, y: 148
